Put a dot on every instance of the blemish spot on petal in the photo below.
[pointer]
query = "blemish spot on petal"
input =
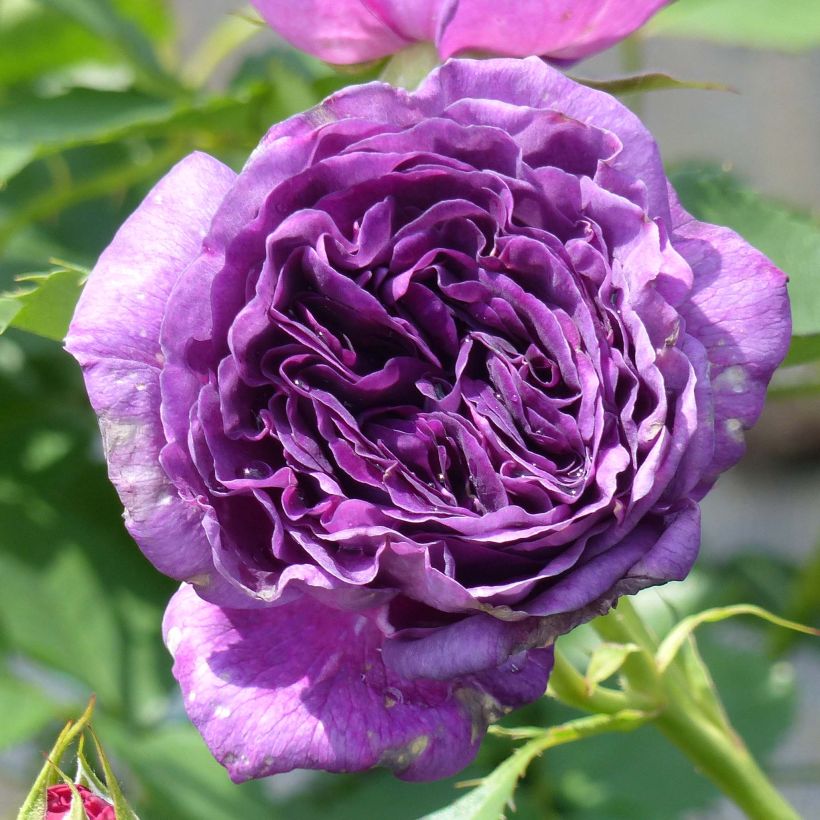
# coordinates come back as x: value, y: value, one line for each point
x: 734, y: 427
x: 733, y: 378
x: 222, y: 712
x: 392, y: 696
x: 419, y: 745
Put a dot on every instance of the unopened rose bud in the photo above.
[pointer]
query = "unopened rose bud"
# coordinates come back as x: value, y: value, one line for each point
x: 59, y: 803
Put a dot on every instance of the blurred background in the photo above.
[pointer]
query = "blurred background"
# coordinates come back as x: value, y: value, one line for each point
x: 97, y: 99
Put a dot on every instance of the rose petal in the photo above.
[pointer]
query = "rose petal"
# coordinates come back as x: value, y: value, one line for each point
x: 114, y: 335
x: 302, y: 685
x: 739, y: 311
x: 565, y: 29
x: 334, y: 31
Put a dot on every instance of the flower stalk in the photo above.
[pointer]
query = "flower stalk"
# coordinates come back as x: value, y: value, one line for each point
x: 689, y: 712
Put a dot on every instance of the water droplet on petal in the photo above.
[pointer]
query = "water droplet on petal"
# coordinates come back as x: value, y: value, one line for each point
x: 256, y: 470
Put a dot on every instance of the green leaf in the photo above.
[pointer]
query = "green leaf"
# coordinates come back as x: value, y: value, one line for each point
x: 45, y: 303
x: 606, y: 660
x: 13, y: 158
x: 789, y: 238
x: 60, y: 616
x: 44, y: 126
x: 677, y: 637
x: 104, y: 19
x: 770, y: 24
x: 25, y: 711
x: 489, y: 800
x: 652, y: 81
x: 803, y: 349
x: 40, y: 40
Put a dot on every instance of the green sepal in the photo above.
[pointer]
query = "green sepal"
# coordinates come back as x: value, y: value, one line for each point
x: 121, y: 808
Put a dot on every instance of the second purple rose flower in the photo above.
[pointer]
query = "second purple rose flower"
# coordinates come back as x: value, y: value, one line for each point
x: 355, y: 31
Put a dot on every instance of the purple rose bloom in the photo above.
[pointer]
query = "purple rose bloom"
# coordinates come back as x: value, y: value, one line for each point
x: 355, y: 31
x: 436, y: 377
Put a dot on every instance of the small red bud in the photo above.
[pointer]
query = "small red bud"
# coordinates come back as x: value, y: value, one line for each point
x: 59, y: 804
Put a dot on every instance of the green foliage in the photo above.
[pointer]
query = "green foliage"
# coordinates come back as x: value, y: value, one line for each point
x: 673, y: 642
x: 82, y: 115
x: 180, y: 778
x: 605, y: 661
x: 789, y: 238
x: 95, y: 105
x: 768, y: 24
x: 495, y: 792
x: 26, y: 710
x: 106, y: 21
x: 44, y: 303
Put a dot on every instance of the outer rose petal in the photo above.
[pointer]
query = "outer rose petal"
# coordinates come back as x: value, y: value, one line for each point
x: 337, y: 31
x: 302, y: 685
x: 739, y: 311
x: 115, y: 337
x: 565, y: 29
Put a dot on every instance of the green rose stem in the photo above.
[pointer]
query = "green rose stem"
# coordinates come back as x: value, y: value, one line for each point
x: 688, y: 711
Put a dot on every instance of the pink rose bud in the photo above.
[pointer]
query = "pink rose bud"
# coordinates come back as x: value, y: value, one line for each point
x: 59, y: 804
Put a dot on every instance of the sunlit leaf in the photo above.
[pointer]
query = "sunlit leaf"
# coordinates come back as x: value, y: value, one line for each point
x: 44, y: 303
x: 104, y: 19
